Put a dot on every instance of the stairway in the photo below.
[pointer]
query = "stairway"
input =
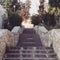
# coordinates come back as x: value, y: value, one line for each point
x: 30, y: 47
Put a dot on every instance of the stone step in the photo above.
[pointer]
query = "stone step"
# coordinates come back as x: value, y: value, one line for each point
x: 21, y: 53
x: 30, y: 47
x: 30, y: 58
x: 37, y: 52
x: 30, y: 51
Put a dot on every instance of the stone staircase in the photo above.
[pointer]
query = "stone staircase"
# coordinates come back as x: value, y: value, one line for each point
x: 29, y: 47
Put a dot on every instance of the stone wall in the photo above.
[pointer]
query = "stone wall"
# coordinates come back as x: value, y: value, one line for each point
x: 9, y: 39
x: 45, y: 39
x: 16, y: 32
x: 2, y: 49
x: 55, y: 37
x: 44, y: 35
x: 50, y: 37
x: 6, y: 39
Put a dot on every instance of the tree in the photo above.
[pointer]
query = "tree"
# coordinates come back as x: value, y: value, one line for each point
x: 54, y: 3
x: 15, y: 20
x: 36, y: 19
x: 2, y: 2
x: 55, y: 9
